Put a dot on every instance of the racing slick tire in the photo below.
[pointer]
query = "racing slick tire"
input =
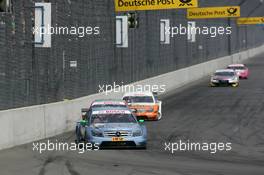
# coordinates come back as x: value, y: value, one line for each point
x: 235, y: 84
x: 81, y: 140
x: 159, y: 116
x: 212, y: 85
x: 143, y: 148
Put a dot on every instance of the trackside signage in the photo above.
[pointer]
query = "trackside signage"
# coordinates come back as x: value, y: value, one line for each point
x: 214, y: 12
x: 251, y: 20
x: 134, y: 5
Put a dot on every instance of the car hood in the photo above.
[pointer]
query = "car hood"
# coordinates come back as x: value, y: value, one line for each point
x: 222, y: 77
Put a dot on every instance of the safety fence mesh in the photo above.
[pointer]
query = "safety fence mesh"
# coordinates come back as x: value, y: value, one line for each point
x: 30, y: 76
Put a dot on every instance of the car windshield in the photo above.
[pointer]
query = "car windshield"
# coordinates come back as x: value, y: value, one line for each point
x: 228, y: 74
x: 112, y: 118
x: 237, y: 67
x: 139, y: 99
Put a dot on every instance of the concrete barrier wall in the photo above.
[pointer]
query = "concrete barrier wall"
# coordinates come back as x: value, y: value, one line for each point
x: 24, y: 125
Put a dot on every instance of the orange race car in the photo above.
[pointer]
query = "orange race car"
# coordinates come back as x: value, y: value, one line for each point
x: 144, y: 104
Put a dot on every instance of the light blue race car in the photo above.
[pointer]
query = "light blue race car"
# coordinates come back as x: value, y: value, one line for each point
x: 112, y: 127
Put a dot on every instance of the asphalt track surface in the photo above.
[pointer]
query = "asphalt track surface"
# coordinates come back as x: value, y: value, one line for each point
x: 197, y: 113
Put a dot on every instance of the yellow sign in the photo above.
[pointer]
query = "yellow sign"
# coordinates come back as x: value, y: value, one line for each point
x: 213, y: 12
x: 134, y: 5
x: 251, y: 20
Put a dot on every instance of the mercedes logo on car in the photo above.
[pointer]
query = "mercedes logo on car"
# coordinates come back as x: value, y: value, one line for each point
x: 118, y: 134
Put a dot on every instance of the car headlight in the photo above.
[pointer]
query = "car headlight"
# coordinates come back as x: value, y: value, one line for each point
x: 137, y: 133
x: 97, y: 133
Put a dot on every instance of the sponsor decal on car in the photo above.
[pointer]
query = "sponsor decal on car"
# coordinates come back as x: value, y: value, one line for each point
x: 108, y: 103
x: 112, y: 112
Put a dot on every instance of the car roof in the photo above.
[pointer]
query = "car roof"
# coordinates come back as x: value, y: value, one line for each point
x: 108, y: 101
x: 236, y: 65
x: 225, y: 70
x: 146, y: 93
x: 103, y: 108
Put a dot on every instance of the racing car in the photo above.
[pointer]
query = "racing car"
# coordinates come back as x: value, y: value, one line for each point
x: 112, y: 127
x: 144, y: 104
x: 225, y: 77
x: 240, y: 69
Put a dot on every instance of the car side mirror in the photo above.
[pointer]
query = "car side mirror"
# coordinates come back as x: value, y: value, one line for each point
x: 84, y: 122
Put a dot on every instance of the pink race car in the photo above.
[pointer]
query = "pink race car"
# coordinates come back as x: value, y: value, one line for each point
x: 241, y: 70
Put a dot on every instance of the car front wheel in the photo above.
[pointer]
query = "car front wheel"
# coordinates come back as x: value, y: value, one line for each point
x: 235, y: 85
x: 159, y: 116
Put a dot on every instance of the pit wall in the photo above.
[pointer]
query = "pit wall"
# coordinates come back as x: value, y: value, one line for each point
x: 24, y: 125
